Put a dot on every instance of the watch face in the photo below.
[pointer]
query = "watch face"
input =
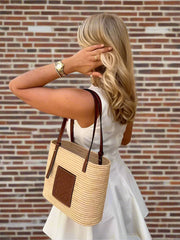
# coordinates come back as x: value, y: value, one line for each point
x: 59, y: 65
x: 60, y: 68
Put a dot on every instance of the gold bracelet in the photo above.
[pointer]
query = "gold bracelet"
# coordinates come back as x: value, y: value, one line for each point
x: 59, y: 66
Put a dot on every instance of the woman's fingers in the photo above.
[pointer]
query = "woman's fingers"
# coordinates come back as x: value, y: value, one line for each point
x: 102, y: 50
x: 94, y: 74
x: 94, y: 47
x: 96, y: 54
x: 97, y: 49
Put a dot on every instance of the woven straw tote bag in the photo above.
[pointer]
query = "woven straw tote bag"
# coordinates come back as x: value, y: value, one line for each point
x: 76, y: 178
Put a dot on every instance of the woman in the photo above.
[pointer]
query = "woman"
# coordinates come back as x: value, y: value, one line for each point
x: 106, y: 57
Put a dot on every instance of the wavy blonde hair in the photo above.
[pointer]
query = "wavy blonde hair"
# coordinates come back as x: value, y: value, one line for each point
x: 117, y: 70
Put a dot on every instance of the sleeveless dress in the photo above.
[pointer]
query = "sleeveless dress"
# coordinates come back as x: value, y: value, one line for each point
x: 124, y: 210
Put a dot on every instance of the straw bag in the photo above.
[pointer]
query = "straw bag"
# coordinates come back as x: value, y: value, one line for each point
x: 76, y: 178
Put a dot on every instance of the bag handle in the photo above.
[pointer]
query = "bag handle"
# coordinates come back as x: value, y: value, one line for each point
x: 98, y: 108
x: 58, y: 144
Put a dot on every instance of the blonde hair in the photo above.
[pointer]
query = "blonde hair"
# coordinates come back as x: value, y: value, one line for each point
x: 117, y: 71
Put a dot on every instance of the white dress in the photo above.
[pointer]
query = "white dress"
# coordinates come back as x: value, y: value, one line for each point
x: 124, y: 210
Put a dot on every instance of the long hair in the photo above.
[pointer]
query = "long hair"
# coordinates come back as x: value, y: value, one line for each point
x: 117, y: 70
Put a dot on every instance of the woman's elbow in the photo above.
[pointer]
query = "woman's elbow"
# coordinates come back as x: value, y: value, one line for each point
x: 12, y: 87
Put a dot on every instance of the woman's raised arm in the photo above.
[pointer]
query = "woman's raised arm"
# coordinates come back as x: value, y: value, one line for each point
x: 65, y: 102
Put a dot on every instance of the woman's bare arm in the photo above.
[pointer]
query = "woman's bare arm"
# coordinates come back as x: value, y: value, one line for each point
x: 66, y: 102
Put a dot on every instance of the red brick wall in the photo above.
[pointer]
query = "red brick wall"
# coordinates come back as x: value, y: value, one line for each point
x: 34, y: 33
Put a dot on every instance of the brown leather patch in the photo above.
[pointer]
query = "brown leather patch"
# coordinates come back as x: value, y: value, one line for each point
x: 63, y: 186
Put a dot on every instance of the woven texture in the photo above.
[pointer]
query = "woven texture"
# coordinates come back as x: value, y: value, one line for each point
x: 90, y: 187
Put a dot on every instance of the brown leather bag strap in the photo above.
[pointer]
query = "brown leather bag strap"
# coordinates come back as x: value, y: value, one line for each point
x: 101, y: 153
x: 72, y: 130
x: 58, y: 143
x: 98, y: 108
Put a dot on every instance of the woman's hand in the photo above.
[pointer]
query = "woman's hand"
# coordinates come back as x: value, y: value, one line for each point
x: 86, y: 60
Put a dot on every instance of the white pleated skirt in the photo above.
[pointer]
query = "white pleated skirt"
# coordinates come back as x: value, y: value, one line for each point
x: 123, y: 217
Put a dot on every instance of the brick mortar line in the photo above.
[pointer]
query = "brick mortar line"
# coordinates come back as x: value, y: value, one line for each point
x: 62, y: 5
x: 138, y: 181
x: 140, y: 100
x: 45, y: 161
x: 145, y: 75
x: 88, y: 83
x: 144, y: 107
x: 27, y: 4
x: 75, y: 48
x: 165, y: 182
x: 65, y: 53
x: 32, y: 193
x: 170, y: 55
x: 86, y: 4
x: 55, y: 133
x: 24, y: 112
x: 165, y: 67
x: 157, y: 190
x: 63, y: 13
x: 157, y: 164
x: 143, y: 50
x: 144, y: 81
x: 45, y: 208
x: 140, y: 133
x: 68, y: 37
x: 36, y: 213
x: 129, y: 152
x: 38, y: 130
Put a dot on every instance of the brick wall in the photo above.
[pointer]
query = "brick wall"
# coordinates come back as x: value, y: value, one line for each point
x: 34, y: 33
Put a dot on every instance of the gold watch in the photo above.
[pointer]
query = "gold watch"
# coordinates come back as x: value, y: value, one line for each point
x: 59, y: 66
